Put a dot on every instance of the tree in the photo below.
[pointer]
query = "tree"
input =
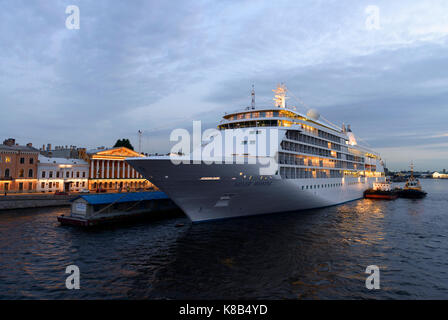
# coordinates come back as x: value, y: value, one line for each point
x: 123, y: 143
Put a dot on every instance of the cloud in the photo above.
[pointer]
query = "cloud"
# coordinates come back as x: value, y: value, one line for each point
x: 159, y: 65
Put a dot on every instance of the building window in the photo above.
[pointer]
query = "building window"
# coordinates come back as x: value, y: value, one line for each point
x: 42, y: 185
x: 43, y: 174
x: 50, y: 174
x: 57, y: 185
x: 21, y: 173
x: 22, y: 160
x: 77, y: 174
x: 77, y: 184
x: 83, y: 174
x: 30, y: 186
x: 50, y: 185
x: 83, y: 184
x: 57, y: 174
x: 67, y: 174
x: 30, y: 173
x: 31, y: 160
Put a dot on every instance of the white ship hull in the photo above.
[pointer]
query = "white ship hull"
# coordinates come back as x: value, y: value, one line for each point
x: 275, y: 160
x: 241, y: 191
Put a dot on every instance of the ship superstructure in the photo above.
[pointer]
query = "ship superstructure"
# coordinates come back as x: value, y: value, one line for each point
x: 307, y: 163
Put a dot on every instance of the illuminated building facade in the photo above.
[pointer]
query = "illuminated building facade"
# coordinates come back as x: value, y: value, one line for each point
x: 18, y: 167
x: 62, y: 175
x: 108, y: 171
x: 437, y: 175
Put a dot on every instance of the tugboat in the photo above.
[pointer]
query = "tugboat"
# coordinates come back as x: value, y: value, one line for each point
x: 412, y: 189
x: 381, y: 190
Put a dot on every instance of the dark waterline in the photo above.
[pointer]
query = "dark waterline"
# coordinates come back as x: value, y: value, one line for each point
x: 316, y: 254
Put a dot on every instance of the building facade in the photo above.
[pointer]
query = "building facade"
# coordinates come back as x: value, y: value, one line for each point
x: 62, y: 175
x: 437, y: 175
x: 108, y: 171
x: 18, y: 167
x: 68, y: 152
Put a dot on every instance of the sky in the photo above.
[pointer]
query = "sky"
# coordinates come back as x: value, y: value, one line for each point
x: 158, y: 65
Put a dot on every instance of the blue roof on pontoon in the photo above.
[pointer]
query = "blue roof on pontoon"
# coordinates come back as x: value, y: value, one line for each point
x: 122, y: 197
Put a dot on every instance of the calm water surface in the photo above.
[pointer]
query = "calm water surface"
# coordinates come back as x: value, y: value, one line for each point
x: 316, y: 254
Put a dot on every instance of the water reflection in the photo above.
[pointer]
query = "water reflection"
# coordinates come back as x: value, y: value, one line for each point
x: 315, y: 254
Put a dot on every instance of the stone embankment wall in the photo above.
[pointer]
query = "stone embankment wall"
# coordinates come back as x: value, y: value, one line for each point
x: 33, y: 201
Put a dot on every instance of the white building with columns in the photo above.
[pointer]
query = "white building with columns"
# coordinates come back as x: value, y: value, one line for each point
x: 61, y: 175
x: 108, y: 171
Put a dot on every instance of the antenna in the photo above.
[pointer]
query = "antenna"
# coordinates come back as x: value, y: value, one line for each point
x: 140, y: 141
x: 252, y: 105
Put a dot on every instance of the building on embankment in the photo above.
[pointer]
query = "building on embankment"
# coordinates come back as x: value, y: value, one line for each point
x: 108, y: 171
x: 437, y: 175
x: 67, y: 152
x: 18, y: 167
x: 62, y: 175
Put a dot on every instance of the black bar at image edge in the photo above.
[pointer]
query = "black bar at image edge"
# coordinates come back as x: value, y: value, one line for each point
x: 226, y: 309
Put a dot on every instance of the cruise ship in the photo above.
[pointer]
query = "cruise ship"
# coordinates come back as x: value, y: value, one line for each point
x: 264, y: 160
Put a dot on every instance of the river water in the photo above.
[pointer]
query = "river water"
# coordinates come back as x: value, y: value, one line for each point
x: 315, y: 254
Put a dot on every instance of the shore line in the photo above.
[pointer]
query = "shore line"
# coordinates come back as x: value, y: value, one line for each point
x: 11, y: 202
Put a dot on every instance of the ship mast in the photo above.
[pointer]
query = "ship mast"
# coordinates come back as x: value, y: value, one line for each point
x: 140, y: 141
x: 252, y: 105
x: 280, y: 96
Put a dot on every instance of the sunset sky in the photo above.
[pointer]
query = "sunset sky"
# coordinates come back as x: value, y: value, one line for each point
x: 158, y: 65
